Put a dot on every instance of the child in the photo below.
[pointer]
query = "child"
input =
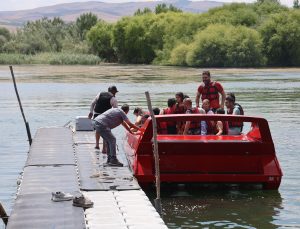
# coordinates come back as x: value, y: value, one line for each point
x: 221, y: 126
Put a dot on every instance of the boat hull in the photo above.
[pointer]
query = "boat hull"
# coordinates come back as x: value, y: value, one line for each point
x: 247, y: 158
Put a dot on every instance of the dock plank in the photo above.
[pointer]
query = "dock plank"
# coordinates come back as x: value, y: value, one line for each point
x: 95, y: 175
x: 48, y: 179
x: 122, y: 209
x: 52, y: 146
x: 32, y: 211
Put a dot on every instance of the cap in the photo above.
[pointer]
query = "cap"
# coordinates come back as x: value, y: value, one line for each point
x: 113, y: 89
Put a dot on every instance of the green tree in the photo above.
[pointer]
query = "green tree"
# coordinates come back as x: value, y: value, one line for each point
x: 163, y: 8
x: 85, y: 22
x: 296, y: 4
x: 224, y: 46
x: 146, y: 10
x: 281, y: 36
x: 4, y: 37
x: 5, y: 33
x: 100, y: 38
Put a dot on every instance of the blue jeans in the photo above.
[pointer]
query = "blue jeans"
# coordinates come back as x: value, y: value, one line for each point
x: 107, y: 136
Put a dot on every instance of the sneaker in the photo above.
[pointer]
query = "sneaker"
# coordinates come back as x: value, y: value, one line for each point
x: 114, y: 162
x: 83, y: 202
x: 97, y: 148
x: 61, y: 196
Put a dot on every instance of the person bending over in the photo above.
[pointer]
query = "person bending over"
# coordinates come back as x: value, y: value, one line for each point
x: 109, y: 120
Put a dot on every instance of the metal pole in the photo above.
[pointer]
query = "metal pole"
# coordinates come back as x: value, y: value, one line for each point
x: 3, y: 215
x: 157, y: 201
x: 20, y: 104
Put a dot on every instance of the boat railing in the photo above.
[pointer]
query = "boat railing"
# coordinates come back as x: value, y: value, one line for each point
x: 259, y: 128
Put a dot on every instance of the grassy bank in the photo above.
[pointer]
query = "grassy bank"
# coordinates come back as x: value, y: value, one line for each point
x: 50, y: 58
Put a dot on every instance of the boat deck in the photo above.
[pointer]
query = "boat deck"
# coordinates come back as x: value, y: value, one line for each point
x: 60, y: 160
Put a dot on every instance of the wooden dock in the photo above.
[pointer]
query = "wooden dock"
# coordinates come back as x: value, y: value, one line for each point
x: 60, y: 160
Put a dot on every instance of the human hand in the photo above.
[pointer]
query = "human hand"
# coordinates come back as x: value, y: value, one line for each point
x: 90, y: 115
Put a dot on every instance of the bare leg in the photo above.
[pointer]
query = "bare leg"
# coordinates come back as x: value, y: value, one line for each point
x: 97, y: 135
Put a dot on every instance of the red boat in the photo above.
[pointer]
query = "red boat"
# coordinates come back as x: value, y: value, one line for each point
x: 246, y: 158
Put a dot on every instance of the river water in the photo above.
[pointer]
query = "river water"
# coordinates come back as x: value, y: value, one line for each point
x: 53, y: 95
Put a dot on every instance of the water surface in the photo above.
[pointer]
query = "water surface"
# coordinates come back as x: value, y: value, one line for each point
x: 53, y: 95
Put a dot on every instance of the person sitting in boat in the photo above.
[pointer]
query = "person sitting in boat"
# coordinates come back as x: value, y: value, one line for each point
x: 139, y: 113
x: 233, y: 108
x: 170, y: 126
x: 210, y: 90
x: 191, y: 127
x: 179, y: 109
x: 221, y: 127
x: 101, y: 103
x: 107, y: 121
x: 206, y: 126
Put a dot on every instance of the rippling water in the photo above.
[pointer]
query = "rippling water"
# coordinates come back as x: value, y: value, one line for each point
x: 53, y: 95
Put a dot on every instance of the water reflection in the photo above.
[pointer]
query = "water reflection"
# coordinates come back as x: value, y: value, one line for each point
x: 211, y: 206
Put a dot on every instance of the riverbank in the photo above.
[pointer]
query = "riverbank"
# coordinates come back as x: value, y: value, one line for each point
x: 105, y: 72
x: 50, y: 58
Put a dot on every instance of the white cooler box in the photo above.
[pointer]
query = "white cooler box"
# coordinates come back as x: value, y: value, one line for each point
x: 83, y: 123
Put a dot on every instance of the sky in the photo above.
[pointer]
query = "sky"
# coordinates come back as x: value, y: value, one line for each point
x: 6, y: 5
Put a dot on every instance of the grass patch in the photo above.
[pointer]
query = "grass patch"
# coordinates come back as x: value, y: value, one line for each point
x: 50, y: 58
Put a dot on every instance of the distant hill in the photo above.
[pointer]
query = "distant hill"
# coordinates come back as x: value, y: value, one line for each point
x: 107, y: 11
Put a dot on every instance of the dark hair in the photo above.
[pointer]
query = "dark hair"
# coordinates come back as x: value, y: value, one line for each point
x: 146, y: 116
x: 125, y: 107
x: 206, y: 73
x: 230, y: 97
x: 171, y: 102
x: 113, y: 88
x: 220, y: 111
x: 185, y: 96
x: 156, y: 110
x: 137, y: 110
x: 180, y: 94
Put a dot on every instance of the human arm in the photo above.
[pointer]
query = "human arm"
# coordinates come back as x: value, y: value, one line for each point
x: 223, y: 96
x: 186, y: 127
x: 197, y: 99
x: 114, y: 102
x: 128, y: 125
x: 219, y: 126
x: 198, y: 94
x: 93, y: 106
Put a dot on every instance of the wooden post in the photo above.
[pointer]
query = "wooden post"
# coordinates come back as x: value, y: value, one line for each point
x: 3, y: 215
x: 157, y: 201
x: 20, y: 104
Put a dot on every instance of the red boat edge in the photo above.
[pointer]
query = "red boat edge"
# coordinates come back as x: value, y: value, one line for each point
x: 246, y: 158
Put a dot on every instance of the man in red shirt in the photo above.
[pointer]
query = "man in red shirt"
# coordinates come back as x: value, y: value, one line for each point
x: 210, y: 90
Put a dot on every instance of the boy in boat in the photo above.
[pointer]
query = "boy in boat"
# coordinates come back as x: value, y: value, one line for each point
x: 191, y: 127
x: 170, y: 126
x: 107, y: 121
x: 221, y: 126
x: 210, y: 90
x: 206, y: 126
x: 233, y: 108
x: 139, y: 113
x: 179, y: 109
x: 101, y: 103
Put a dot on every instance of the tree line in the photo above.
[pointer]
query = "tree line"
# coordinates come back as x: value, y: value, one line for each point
x: 264, y: 33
